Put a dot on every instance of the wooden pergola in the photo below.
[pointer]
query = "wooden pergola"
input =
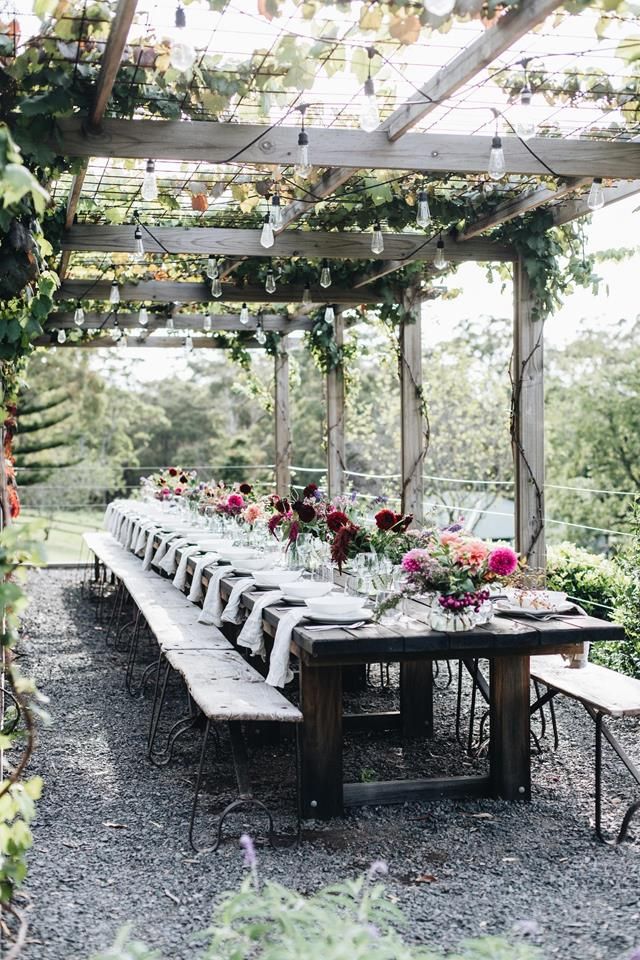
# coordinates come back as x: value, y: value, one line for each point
x: 338, y: 154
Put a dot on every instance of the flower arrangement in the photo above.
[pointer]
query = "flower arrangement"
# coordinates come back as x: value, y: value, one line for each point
x: 304, y: 514
x: 458, y: 566
x: 170, y: 482
x: 237, y: 501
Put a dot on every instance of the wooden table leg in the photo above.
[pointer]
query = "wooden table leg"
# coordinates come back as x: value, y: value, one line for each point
x: 510, y: 746
x: 321, y: 741
x: 416, y: 698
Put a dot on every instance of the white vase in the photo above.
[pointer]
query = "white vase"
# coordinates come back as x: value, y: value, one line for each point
x: 452, y: 621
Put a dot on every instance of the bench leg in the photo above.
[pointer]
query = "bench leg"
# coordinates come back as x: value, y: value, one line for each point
x: 601, y: 730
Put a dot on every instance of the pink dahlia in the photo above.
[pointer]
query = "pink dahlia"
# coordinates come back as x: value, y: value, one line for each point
x: 235, y: 501
x: 502, y: 561
x: 253, y: 512
x: 414, y: 560
x: 449, y: 536
x: 470, y: 553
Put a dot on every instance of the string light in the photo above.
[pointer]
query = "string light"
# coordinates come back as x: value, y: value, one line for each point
x: 143, y: 316
x: 138, y: 243
x: 267, y: 238
x: 270, y: 284
x: 329, y: 314
x: 78, y: 315
x: 150, y: 182
x: 182, y: 55
x: 497, y: 165
x: 377, y: 240
x: 216, y: 288
x: 207, y: 323
x: 369, y: 110
x: 170, y: 321
x: 188, y: 345
x: 303, y: 167
x: 261, y: 336
x: 440, y: 262
x: 62, y: 336
x: 423, y: 215
x: 439, y: 8
x: 114, y: 292
x: 244, y: 314
x: 524, y: 122
x: 325, y: 275
x: 212, y: 267
x: 595, y: 200
x: 306, y: 295
x: 276, y: 212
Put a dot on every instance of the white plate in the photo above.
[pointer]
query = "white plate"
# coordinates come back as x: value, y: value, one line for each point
x: 353, y: 617
x: 276, y: 579
x: 505, y: 607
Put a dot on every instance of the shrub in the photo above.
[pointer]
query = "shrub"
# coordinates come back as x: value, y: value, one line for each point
x: 627, y: 655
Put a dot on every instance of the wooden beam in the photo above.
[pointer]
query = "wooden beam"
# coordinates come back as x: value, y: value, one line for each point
x: 527, y: 423
x: 578, y: 207
x: 282, y: 420
x: 220, y: 323
x: 72, y: 206
x: 467, y: 64
x: 412, y: 426
x: 199, y: 343
x: 423, y: 152
x: 110, y: 64
x: 311, y: 244
x: 167, y: 291
x: 336, y: 463
x: 515, y: 208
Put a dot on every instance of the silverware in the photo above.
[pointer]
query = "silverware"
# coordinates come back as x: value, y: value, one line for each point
x: 337, y: 626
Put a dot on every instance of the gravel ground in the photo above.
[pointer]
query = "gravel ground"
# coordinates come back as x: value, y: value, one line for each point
x: 111, y: 833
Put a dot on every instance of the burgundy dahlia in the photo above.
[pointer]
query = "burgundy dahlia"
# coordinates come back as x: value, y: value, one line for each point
x: 336, y: 520
x: 245, y: 488
x: 309, y: 490
x: 305, y: 511
x: 385, y: 519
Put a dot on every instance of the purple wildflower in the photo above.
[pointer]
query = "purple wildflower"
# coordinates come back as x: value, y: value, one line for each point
x: 353, y: 496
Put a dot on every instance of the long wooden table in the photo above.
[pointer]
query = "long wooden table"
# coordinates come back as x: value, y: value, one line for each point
x: 507, y: 643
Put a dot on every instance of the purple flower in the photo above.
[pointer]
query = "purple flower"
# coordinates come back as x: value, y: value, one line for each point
x: 318, y: 494
x: 250, y: 858
x: 353, y: 496
x: 378, y: 868
x: 454, y: 527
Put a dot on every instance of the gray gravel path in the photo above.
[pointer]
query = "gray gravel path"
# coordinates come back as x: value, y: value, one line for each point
x: 111, y: 845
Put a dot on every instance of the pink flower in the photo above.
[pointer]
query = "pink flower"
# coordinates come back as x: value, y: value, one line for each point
x: 449, y: 536
x: 470, y: 553
x: 235, y: 501
x: 502, y: 561
x: 253, y: 513
x: 413, y: 561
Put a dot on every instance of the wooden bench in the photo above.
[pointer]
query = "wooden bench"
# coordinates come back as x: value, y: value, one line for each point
x: 603, y: 693
x: 220, y: 683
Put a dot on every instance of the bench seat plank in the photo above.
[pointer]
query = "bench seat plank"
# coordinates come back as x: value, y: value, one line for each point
x: 607, y: 691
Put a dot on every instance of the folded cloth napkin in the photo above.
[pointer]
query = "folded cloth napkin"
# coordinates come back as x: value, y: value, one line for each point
x: 147, y: 530
x: 279, y: 671
x: 132, y: 532
x: 163, y: 546
x: 108, y: 517
x: 181, y: 574
x: 121, y: 528
x: 212, y: 606
x: 251, y: 635
x: 169, y: 563
x: 195, y: 593
x: 148, y: 551
x: 232, y: 612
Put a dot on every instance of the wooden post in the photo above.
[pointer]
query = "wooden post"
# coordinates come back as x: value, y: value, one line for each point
x: 282, y: 427
x: 527, y: 423
x: 335, y: 420
x: 509, y: 746
x: 412, y: 426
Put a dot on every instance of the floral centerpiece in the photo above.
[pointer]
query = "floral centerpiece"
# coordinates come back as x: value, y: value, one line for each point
x: 237, y: 501
x: 170, y: 482
x: 458, y: 568
x: 292, y: 517
x: 389, y: 537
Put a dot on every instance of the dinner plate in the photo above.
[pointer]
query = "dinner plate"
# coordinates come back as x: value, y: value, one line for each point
x: 353, y: 617
x: 505, y: 607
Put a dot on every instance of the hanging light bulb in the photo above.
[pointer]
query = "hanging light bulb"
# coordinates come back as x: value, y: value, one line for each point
x: 182, y: 56
x: 595, y: 200
x: 143, y: 316
x: 497, y: 166
x: 122, y: 341
x: 439, y: 8
x: 138, y: 243
x: 303, y: 167
x: 369, y: 110
x: 276, y: 212
x: 188, y: 345
x: 78, y: 316
x: 216, y: 288
x: 150, y: 183
x: 261, y: 336
x: 114, y: 292
x: 62, y: 337
x: 270, y: 285
x: 325, y: 275
x: 329, y: 314
x: 207, y: 323
x: 525, y: 125
x: 267, y: 238
x: 212, y: 267
x: 423, y: 215
x: 244, y: 314
x: 170, y: 322
x: 306, y: 296
x: 377, y: 241
x: 440, y: 263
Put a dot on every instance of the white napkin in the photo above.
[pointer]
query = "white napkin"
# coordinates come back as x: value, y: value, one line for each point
x: 168, y: 562
x: 163, y: 546
x: 121, y: 530
x: 148, y: 551
x: 212, y: 606
x: 279, y: 671
x: 143, y: 534
x: 108, y: 517
x: 181, y: 574
x: 232, y: 612
x: 251, y: 635
x: 132, y: 532
x: 195, y: 593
